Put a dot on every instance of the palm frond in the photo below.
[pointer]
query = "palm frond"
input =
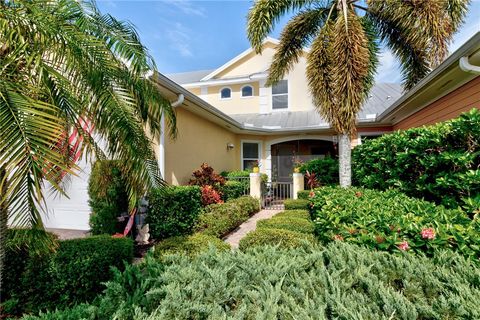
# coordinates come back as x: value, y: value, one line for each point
x: 264, y: 14
x: 296, y: 35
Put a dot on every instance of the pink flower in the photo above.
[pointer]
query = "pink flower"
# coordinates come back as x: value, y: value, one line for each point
x: 428, y: 233
x: 403, y: 246
x: 338, y: 237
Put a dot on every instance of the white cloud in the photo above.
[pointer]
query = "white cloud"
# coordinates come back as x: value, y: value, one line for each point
x: 179, y: 38
x: 187, y: 7
x: 388, y: 69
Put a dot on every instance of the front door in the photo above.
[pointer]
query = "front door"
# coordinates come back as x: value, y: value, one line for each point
x: 285, y: 162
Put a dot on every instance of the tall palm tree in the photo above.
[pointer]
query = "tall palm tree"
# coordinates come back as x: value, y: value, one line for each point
x: 69, y: 73
x: 344, y: 36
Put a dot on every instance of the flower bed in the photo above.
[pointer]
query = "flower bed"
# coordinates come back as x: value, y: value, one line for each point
x: 392, y: 221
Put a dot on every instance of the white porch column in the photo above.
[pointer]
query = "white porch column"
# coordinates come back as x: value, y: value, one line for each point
x: 298, y: 184
x: 255, y: 185
x: 161, y: 146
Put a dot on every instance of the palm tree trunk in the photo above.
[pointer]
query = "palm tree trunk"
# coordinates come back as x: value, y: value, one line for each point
x: 3, y: 223
x: 345, y: 160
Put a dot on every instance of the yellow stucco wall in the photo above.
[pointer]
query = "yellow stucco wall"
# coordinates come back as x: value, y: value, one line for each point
x: 198, y: 141
x: 299, y: 95
x: 237, y: 103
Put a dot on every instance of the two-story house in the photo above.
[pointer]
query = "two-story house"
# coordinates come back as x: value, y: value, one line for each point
x: 274, y: 125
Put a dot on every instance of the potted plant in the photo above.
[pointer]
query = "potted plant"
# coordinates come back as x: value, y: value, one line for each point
x: 297, y: 163
x: 256, y: 167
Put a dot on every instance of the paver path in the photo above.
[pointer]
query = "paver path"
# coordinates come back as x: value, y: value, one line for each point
x: 65, y: 234
x: 234, y: 238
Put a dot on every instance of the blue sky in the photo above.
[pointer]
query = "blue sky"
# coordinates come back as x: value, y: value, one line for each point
x: 187, y: 35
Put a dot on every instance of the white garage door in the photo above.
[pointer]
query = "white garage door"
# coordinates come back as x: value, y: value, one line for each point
x: 72, y: 212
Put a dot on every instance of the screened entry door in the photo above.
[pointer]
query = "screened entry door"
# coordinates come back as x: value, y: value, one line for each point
x: 285, y: 162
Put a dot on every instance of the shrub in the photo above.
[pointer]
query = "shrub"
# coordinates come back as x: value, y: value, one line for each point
x: 75, y: 273
x: 108, y: 197
x: 219, y: 219
x: 296, y: 204
x: 266, y: 236
x: 287, y: 223
x: 337, y: 282
x: 301, y: 214
x: 232, y: 190
x: 189, y: 245
x: 392, y: 221
x: 210, y: 196
x: 304, y: 194
x: 439, y: 163
x: 325, y: 170
x: 173, y: 211
x: 206, y: 176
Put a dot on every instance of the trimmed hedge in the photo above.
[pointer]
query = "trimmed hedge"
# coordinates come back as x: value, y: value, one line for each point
x: 282, y: 238
x: 287, y: 223
x: 296, y: 204
x: 304, y: 194
x: 302, y: 214
x: 337, y: 282
x: 173, y: 211
x: 191, y: 245
x: 219, y: 219
x: 392, y: 221
x: 439, y: 163
x: 232, y: 190
x: 326, y: 170
x: 108, y: 197
x: 75, y: 273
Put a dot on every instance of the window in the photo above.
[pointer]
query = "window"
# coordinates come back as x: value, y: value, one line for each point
x: 247, y: 91
x: 225, y: 93
x: 280, y: 95
x: 250, y: 154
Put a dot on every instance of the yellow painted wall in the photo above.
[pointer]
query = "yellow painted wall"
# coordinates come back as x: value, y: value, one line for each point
x: 195, y: 91
x: 198, y: 141
x: 236, y: 104
x: 299, y: 94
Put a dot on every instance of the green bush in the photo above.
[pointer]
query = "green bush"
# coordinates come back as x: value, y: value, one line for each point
x: 287, y: 223
x: 189, y: 245
x: 303, y: 194
x: 232, y: 190
x: 219, y: 219
x: 301, y: 214
x: 326, y: 170
x: 439, y: 163
x: 173, y: 211
x: 108, y: 197
x: 337, y: 282
x: 75, y: 273
x: 390, y: 221
x: 283, y: 238
x: 296, y: 204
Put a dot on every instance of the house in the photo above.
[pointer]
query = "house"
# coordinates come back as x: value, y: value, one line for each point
x: 229, y: 118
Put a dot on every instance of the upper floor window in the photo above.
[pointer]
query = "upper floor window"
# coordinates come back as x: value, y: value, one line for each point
x: 225, y: 93
x: 247, y: 91
x: 280, y: 95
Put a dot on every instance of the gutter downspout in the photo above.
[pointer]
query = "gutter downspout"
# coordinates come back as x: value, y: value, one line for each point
x: 161, y: 158
x: 467, y: 67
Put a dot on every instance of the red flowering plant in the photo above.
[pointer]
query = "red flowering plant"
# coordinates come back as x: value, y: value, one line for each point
x: 312, y: 181
x: 210, y: 196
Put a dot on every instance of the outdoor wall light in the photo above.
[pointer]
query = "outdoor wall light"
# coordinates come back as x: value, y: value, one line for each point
x: 230, y: 146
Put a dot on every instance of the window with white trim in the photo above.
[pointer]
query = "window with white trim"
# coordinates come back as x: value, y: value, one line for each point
x: 247, y: 91
x: 225, y: 93
x: 250, y: 154
x: 280, y: 95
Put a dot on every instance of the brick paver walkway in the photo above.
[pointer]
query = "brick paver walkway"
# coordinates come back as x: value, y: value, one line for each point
x: 65, y: 234
x: 251, y: 224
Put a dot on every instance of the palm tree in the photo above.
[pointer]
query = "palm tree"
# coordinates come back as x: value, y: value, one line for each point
x: 344, y: 36
x: 69, y: 73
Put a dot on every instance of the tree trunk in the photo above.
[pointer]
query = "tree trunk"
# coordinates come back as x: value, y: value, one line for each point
x: 345, y: 160
x: 3, y: 223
